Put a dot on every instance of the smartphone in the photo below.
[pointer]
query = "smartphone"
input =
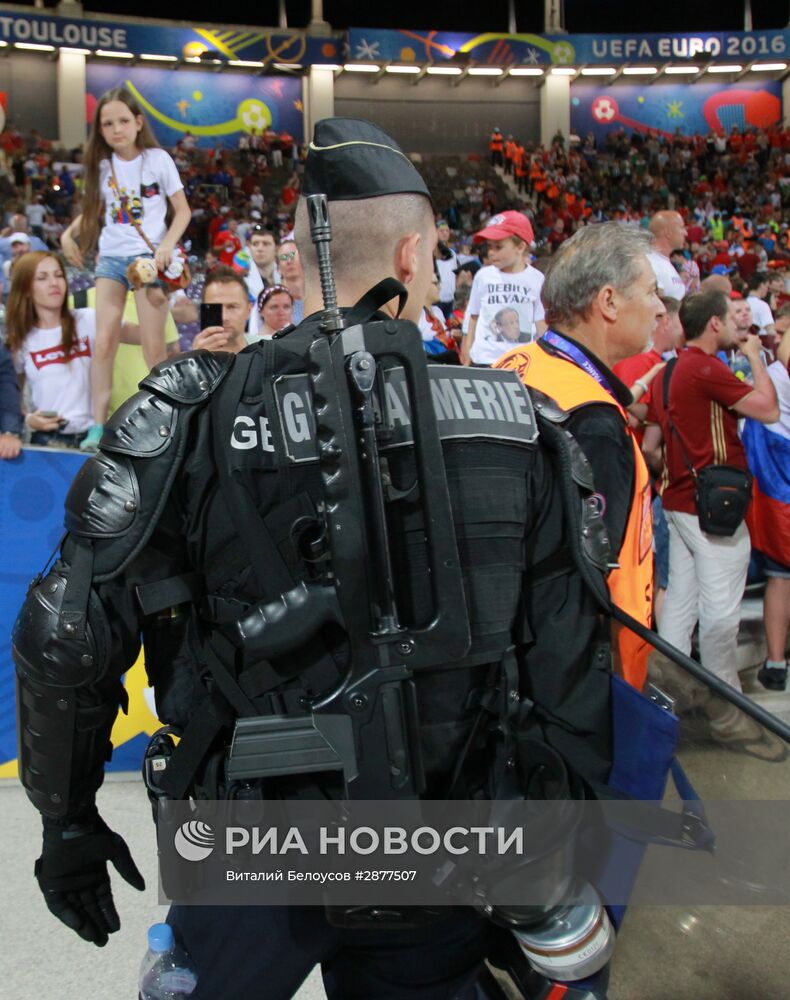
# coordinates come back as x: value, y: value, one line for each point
x: 210, y: 314
x: 49, y: 414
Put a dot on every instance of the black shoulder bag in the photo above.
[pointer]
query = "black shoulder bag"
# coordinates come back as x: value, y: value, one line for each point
x: 722, y: 492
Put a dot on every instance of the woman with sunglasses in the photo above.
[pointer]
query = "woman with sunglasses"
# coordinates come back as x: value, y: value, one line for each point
x: 275, y: 309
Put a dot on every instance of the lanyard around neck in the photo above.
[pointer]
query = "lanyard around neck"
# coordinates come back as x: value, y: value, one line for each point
x: 572, y: 353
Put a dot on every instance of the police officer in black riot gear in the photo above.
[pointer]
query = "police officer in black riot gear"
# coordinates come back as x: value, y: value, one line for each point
x: 207, y: 526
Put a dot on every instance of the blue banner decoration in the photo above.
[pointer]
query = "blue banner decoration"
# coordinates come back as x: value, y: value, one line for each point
x: 33, y: 488
x: 666, y: 108
x: 215, y: 107
x: 278, y: 45
x: 267, y: 45
x: 502, y: 49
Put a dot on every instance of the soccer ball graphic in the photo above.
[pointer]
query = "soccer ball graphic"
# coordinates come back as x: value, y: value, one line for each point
x: 254, y: 115
x: 604, y: 109
x: 563, y: 53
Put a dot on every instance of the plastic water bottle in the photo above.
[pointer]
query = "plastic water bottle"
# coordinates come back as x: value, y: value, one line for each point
x: 167, y: 972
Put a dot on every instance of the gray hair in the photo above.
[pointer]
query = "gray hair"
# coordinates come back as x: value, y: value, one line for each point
x: 606, y: 253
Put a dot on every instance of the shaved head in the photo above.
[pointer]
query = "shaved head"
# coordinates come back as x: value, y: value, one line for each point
x: 716, y: 283
x: 669, y: 231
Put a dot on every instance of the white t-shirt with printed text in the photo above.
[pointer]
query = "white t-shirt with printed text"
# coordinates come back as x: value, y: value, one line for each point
x: 145, y: 184
x: 494, y: 299
x: 57, y: 385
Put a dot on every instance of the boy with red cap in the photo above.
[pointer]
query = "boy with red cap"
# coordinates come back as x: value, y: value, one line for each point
x: 508, y: 280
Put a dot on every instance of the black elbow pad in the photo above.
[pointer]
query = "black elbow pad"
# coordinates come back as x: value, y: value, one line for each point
x: 53, y: 651
x: 63, y: 724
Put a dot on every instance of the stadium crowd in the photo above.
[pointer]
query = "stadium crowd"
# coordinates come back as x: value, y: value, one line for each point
x: 718, y: 207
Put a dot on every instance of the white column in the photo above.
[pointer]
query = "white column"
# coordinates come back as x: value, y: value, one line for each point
x: 320, y: 93
x: 71, y: 99
x: 555, y: 107
x: 786, y: 101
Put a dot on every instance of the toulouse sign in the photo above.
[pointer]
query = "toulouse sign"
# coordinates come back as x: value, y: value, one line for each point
x: 266, y: 45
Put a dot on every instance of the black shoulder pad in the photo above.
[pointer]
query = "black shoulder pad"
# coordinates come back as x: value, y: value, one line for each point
x: 142, y: 427
x: 547, y: 407
x: 190, y: 377
x: 103, y: 499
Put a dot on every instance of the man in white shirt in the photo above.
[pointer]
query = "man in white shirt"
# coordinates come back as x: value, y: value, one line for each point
x: 36, y: 213
x: 669, y: 233
x: 761, y: 311
x: 508, y: 281
x: 263, y: 269
x: 446, y: 266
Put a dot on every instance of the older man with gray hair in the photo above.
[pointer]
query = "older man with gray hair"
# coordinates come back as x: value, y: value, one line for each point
x: 602, y: 306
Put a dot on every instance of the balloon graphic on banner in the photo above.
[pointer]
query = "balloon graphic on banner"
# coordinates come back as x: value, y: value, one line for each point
x: 252, y: 114
x: 606, y: 111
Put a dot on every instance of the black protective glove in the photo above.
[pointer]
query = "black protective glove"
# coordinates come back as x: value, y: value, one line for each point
x: 72, y: 874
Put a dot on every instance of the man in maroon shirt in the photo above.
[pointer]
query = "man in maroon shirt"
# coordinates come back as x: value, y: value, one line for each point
x: 707, y: 573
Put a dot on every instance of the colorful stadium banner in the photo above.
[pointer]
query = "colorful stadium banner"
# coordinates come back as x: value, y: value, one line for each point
x: 32, y: 490
x: 502, y: 49
x: 215, y: 107
x: 667, y: 108
x: 278, y: 45
x: 267, y: 45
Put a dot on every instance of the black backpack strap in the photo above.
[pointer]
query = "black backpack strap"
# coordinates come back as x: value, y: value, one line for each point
x: 667, y: 375
x: 268, y: 565
x: 373, y: 300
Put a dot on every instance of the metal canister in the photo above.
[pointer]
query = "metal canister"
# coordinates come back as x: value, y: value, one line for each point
x: 570, y: 942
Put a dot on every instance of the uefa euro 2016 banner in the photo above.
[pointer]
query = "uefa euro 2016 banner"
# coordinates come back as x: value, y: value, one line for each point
x: 278, y: 45
x: 214, y: 107
x: 32, y: 490
x: 502, y: 49
x: 267, y: 45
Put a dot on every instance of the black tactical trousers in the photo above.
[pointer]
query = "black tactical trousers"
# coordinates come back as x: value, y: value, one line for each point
x: 265, y: 953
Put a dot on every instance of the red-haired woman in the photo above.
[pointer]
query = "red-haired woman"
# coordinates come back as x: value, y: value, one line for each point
x: 52, y: 347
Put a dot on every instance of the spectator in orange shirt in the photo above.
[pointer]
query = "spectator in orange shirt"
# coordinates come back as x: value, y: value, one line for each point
x: 227, y: 243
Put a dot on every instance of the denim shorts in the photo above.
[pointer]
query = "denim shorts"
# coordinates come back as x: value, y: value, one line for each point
x: 114, y: 268
x: 53, y: 439
x: 769, y: 567
x: 661, y: 544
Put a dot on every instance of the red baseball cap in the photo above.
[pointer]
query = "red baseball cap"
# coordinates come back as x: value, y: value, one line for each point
x: 506, y: 224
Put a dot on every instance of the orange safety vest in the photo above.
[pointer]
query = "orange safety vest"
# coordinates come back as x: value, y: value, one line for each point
x: 510, y: 149
x: 631, y: 581
x: 495, y: 145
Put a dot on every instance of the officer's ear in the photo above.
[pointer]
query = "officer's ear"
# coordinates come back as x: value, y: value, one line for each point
x: 407, y: 258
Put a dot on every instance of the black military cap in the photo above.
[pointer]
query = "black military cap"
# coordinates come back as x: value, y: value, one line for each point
x: 350, y: 159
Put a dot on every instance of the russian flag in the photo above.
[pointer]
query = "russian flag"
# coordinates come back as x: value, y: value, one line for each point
x: 768, y: 455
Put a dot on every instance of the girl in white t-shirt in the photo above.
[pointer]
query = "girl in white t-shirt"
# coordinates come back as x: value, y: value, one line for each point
x: 130, y: 180
x: 52, y: 347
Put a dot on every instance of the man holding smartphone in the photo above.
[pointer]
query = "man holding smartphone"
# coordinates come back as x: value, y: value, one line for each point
x: 224, y: 312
